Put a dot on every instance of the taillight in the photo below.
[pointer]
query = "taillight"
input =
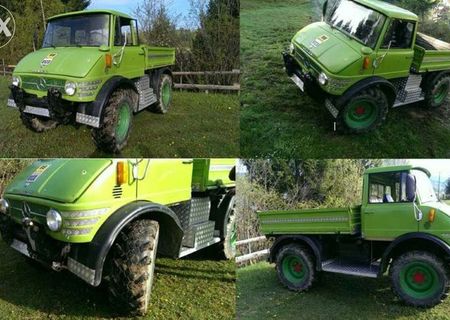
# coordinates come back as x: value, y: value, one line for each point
x: 122, y: 173
x: 108, y: 60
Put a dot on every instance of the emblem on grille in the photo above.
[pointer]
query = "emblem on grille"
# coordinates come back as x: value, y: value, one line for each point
x: 26, y: 211
x: 41, y: 84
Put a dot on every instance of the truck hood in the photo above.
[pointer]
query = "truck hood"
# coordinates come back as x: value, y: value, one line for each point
x: 62, y: 61
x: 62, y: 180
x: 329, y: 47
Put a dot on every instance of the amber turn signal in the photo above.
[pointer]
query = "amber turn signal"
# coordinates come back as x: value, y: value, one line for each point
x: 122, y: 173
x: 366, y: 63
x: 431, y: 215
x: 108, y: 60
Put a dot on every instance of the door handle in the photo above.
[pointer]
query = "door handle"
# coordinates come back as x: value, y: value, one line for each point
x: 188, y: 161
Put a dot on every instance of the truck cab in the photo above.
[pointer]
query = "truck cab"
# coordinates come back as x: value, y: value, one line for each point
x: 365, y: 57
x: 400, y: 227
x: 92, y: 70
x: 105, y: 220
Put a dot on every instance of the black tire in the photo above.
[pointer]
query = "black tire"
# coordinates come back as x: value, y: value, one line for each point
x: 440, y: 85
x: 377, y: 104
x: 163, y: 105
x: 229, y: 242
x: 303, y: 266
x: 132, y: 266
x: 36, y: 123
x: 107, y: 137
x: 411, y: 264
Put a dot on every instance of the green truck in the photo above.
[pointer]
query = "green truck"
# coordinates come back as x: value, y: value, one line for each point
x: 105, y: 220
x: 400, y: 227
x: 92, y: 70
x: 366, y: 57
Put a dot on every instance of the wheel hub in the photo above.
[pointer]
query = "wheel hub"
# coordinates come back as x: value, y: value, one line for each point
x: 360, y: 110
x: 419, y: 277
x: 298, y: 267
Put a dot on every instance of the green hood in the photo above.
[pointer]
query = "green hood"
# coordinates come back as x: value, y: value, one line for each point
x: 62, y: 61
x: 62, y: 180
x: 332, y: 49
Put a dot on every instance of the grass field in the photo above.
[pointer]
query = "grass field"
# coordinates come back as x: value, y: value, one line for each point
x: 196, y: 287
x: 261, y: 296
x: 278, y: 120
x: 198, y: 125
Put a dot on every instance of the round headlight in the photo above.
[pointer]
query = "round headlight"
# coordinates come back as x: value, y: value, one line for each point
x: 16, y: 81
x: 4, y: 205
x: 54, y: 220
x: 291, y: 48
x: 323, y: 79
x: 70, y: 88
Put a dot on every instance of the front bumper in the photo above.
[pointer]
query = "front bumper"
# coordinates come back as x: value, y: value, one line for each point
x: 31, y: 240
x: 52, y: 106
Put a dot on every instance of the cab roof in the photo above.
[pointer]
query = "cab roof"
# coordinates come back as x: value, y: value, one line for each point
x: 396, y: 168
x: 388, y: 9
x: 74, y: 13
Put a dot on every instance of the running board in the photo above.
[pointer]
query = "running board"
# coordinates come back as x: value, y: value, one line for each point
x: 351, y: 268
x: 186, y: 250
x: 409, y: 91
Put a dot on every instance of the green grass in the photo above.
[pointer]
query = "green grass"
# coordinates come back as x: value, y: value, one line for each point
x: 333, y: 296
x: 198, y: 125
x: 196, y: 287
x: 277, y: 120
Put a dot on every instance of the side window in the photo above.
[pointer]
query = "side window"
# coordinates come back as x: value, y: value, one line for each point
x: 387, y: 187
x: 123, y: 31
x: 399, y: 35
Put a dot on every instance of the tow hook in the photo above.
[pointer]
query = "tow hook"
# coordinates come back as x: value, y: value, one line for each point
x: 57, y: 266
x: 27, y: 225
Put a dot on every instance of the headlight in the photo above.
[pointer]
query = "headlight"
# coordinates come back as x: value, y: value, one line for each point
x: 54, y: 220
x: 16, y: 81
x: 291, y: 48
x: 323, y: 79
x: 4, y: 205
x: 70, y: 88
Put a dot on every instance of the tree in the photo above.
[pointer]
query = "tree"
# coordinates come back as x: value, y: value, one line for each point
x: 447, y: 189
x: 419, y: 7
x: 76, y: 5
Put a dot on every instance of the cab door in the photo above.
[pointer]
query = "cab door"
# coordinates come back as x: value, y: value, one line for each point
x: 128, y: 55
x: 164, y: 181
x: 388, y: 211
x: 396, y: 53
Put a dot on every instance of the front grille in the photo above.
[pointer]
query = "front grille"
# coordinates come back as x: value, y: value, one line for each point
x: 22, y: 209
x: 306, y: 61
x: 41, y: 83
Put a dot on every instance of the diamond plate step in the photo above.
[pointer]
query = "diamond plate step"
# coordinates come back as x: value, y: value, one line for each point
x: 351, y: 268
x: 146, y: 95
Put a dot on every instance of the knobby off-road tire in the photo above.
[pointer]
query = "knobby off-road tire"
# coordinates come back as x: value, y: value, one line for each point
x: 112, y: 136
x: 419, y: 279
x: 436, y: 92
x: 229, y: 243
x: 132, y: 266
x: 163, y: 94
x: 295, y: 267
x: 36, y: 123
x: 364, y: 112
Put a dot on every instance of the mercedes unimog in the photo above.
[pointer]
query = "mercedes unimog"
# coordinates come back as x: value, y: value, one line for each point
x: 105, y: 220
x: 400, y: 227
x: 366, y: 57
x: 92, y: 70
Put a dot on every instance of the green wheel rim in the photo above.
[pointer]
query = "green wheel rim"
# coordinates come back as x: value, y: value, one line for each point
x: 419, y: 280
x: 361, y: 114
x: 123, y: 122
x: 294, y: 269
x: 166, y: 93
x: 441, y: 93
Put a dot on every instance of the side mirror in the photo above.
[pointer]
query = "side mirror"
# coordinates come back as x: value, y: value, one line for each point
x: 410, y: 188
x: 324, y: 10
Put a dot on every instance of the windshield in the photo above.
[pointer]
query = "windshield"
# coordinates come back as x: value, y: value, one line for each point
x: 90, y: 30
x: 425, y: 188
x: 357, y: 21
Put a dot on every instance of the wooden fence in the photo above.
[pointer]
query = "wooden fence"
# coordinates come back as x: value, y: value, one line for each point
x: 185, y: 79
x: 251, y: 255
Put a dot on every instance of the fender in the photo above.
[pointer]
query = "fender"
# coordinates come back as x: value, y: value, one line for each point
x: 95, y: 108
x: 311, y: 242
x: 223, y: 212
x: 408, y: 237
x: 388, y: 87
x: 93, y: 255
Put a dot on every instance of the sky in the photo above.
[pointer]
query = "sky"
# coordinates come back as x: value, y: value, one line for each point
x: 128, y: 6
